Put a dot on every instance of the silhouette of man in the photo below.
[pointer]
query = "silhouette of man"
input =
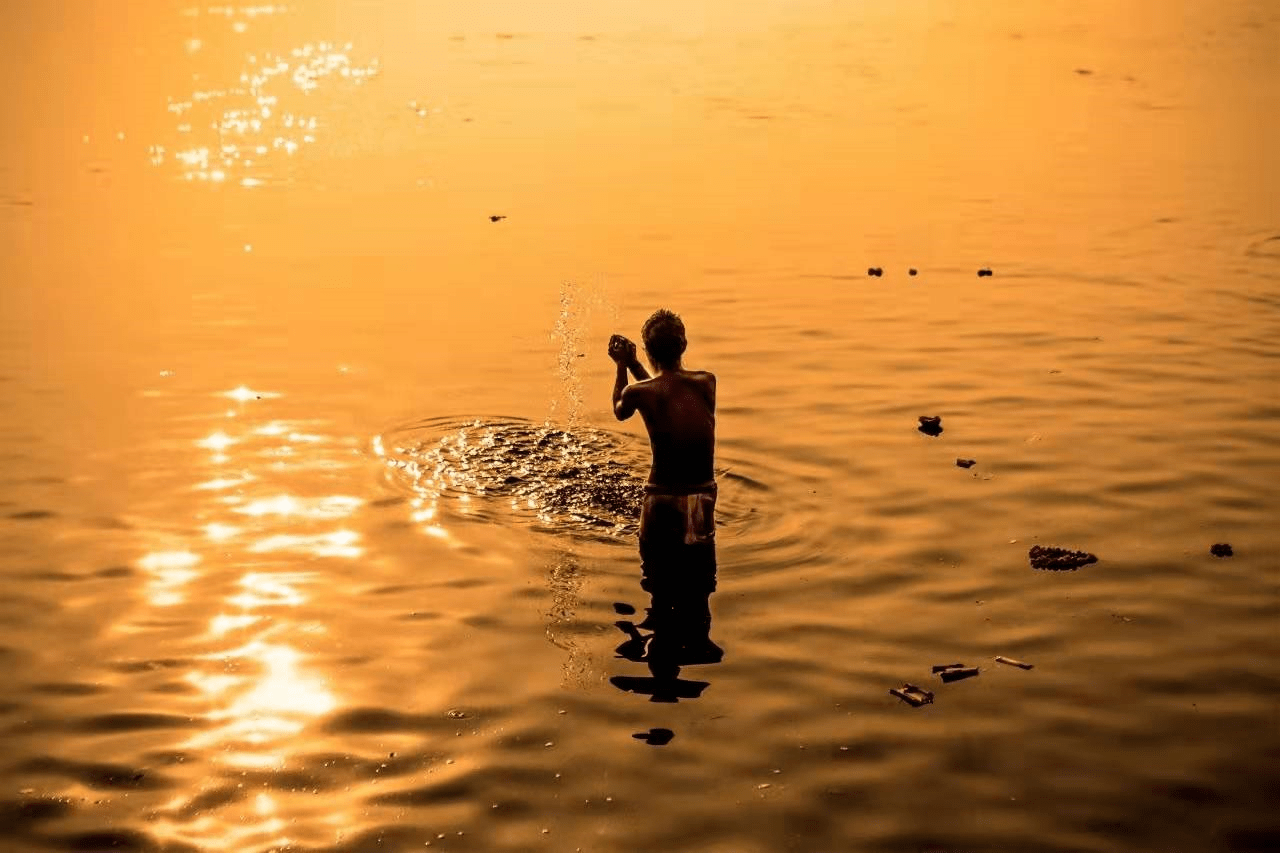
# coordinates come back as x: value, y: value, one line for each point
x: 677, y: 518
x: 678, y: 407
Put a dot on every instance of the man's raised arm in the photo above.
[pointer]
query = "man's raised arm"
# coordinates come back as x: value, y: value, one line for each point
x: 624, y: 405
x: 623, y: 353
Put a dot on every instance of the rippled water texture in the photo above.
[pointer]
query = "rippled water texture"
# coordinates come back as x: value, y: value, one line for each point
x: 317, y: 531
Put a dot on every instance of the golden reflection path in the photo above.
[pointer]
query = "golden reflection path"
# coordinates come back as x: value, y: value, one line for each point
x: 259, y: 690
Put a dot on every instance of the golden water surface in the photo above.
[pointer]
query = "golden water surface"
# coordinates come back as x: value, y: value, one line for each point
x: 315, y: 524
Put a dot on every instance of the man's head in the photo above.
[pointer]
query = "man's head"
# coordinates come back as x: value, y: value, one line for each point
x: 664, y: 340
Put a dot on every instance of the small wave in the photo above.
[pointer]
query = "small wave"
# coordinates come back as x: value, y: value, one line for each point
x: 578, y: 478
x: 573, y: 479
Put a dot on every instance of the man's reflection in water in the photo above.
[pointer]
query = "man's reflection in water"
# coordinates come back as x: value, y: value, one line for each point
x: 679, y: 580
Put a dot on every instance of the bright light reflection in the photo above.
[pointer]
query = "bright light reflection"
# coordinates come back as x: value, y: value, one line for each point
x: 216, y: 441
x: 213, y: 685
x: 244, y: 394
x: 225, y: 482
x: 170, y: 571
x: 274, y: 703
x: 225, y: 623
x: 264, y: 589
x: 221, y: 532
x: 336, y: 506
x: 252, y: 117
x: 339, y: 543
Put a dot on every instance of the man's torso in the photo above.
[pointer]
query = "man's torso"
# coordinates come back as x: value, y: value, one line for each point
x: 679, y: 412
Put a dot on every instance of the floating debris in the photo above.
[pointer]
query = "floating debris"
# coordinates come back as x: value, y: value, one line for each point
x: 966, y: 463
x: 875, y: 271
x: 911, y: 271
x: 984, y: 272
x: 1084, y: 72
x: 1011, y: 662
x: 1222, y: 549
x: 947, y: 666
x: 949, y: 675
x: 496, y: 218
x: 1058, y: 559
x: 912, y: 695
x: 930, y: 424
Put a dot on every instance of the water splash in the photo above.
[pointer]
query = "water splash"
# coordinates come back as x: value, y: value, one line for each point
x: 584, y: 479
x: 568, y: 333
x: 575, y: 330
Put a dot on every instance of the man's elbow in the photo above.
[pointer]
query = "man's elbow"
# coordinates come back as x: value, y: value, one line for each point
x: 622, y: 413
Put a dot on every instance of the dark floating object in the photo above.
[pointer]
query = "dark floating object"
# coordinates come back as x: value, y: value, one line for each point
x: 1084, y: 71
x: 947, y: 666
x: 912, y: 695
x: 31, y: 515
x: 496, y: 218
x: 1222, y: 549
x: 949, y: 675
x: 984, y: 272
x: 875, y: 271
x: 1059, y: 559
x: 655, y: 737
x: 1011, y: 662
x: 966, y: 463
x: 623, y: 608
x: 911, y: 271
x: 931, y: 424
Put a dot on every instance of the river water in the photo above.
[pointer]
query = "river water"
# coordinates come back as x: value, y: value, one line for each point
x: 316, y: 530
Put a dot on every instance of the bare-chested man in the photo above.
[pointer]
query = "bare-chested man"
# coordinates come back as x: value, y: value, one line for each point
x: 678, y: 407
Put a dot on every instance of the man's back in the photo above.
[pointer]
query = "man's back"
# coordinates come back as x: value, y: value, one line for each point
x: 678, y: 408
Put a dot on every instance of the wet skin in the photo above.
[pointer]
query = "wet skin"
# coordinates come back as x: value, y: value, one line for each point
x: 678, y: 408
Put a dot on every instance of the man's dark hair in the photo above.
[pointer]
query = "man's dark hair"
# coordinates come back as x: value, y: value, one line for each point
x: 663, y: 336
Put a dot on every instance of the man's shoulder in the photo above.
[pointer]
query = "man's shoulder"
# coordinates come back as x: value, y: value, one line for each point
x: 640, y: 389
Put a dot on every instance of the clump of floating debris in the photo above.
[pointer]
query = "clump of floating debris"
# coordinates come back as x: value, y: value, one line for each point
x: 1058, y: 559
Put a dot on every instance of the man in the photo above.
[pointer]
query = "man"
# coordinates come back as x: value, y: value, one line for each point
x: 678, y: 407
x: 677, y: 519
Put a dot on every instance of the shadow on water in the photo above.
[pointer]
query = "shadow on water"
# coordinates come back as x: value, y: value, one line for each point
x: 679, y: 581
